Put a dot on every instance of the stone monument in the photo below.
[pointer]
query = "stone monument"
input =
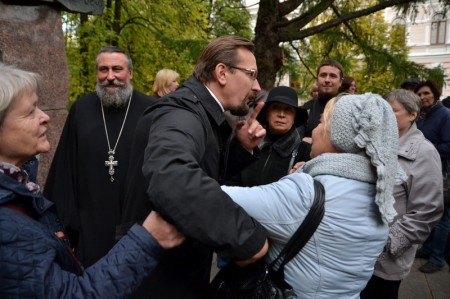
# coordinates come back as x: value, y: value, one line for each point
x: 31, y: 38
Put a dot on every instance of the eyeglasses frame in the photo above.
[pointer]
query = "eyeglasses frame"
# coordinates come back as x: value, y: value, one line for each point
x: 252, y: 73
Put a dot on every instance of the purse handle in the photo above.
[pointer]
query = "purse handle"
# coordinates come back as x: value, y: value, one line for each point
x: 304, y: 232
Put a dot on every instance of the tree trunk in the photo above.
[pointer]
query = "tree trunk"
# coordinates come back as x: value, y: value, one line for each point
x: 85, y: 62
x: 269, y: 56
x: 116, y: 22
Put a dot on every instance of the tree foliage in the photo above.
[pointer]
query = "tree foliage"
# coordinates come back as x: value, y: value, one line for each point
x: 352, y: 32
x: 291, y: 37
x: 229, y: 17
x: 156, y: 34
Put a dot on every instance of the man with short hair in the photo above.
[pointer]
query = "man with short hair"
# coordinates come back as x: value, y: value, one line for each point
x: 87, y: 175
x: 410, y: 84
x: 181, y: 153
x: 329, y: 78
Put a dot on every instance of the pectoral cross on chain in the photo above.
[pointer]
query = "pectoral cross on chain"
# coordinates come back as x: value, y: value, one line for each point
x: 111, y: 164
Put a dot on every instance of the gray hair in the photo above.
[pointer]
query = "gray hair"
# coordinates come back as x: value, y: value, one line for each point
x: 13, y: 83
x: 409, y: 100
x: 114, y: 49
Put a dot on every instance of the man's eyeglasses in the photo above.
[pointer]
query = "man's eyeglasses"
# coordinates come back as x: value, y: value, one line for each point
x: 252, y: 73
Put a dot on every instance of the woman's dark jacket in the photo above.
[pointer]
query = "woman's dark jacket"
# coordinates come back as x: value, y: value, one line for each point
x: 34, y: 263
x: 435, y: 124
x: 275, y: 159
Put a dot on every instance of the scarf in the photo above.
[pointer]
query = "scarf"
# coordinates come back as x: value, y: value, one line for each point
x: 18, y: 174
x: 350, y: 166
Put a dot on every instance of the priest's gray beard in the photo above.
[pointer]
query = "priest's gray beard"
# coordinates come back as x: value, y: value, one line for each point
x: 119, y: 97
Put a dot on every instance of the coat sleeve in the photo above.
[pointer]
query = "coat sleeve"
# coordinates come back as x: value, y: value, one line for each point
x: 280, y: 206
x: 29, y: 267
x: 185, y: 193
x: 238, y: 159
x: 443, y: 146
x: 424, y: 203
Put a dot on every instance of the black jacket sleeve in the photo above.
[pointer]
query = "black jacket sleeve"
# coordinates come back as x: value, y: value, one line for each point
x: 180, y: 186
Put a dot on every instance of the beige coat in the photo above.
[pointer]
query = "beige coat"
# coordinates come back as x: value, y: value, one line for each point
x: 418, y: 202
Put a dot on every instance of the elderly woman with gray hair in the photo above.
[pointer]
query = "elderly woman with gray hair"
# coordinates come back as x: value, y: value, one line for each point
x: 418, y: 201
x: 354, y: 156
x: 36, y: 260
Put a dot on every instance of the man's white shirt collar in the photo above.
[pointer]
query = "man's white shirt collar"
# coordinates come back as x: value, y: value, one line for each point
x: 215, y: 98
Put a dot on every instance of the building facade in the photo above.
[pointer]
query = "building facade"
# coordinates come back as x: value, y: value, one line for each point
x: 428, y: 37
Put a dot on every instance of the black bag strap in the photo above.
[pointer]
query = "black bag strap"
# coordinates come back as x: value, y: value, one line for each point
x: 304, y: 232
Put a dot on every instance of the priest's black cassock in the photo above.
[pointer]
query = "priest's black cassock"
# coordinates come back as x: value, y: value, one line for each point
x: 78, y: 180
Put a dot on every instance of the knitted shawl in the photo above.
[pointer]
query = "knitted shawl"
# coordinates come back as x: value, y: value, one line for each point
x: 365, y: 133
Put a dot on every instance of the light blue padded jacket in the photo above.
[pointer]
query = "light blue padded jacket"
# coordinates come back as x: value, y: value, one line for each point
x: 339, y: 259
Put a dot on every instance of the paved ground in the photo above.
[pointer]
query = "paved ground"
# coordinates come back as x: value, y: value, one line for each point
x: 425, y: 286
x: 417, y: 285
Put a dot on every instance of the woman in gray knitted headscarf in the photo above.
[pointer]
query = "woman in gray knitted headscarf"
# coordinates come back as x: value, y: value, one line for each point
x: 354, y: 151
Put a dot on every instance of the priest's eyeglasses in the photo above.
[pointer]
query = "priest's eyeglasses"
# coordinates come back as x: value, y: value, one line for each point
x: 251, y: 73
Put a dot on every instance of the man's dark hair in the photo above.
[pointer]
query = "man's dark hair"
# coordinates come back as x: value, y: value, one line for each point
x: 221, y: 50
x: 331, y: 62
x: 410, y: 82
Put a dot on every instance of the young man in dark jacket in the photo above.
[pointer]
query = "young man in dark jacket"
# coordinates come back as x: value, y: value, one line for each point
x: 329, y: 79
x: 181, y: 152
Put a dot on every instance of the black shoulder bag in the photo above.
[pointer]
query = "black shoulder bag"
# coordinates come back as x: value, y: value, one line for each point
x: 266, y: 281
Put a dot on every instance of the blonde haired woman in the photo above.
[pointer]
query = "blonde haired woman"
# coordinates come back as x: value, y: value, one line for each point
x: 165, y: 81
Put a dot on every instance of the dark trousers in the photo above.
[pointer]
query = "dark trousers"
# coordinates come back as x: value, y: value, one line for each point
x: 447, y: 250
x: 378, y: 288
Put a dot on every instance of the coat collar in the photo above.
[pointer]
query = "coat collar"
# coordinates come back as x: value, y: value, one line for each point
x: 285, y: 145
x: 408, y: 144
x: 10, y: 189
x: 202, y: 94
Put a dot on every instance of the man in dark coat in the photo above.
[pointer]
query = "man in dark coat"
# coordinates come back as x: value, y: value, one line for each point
x: 87, y: 175
x: 329, y: 78
x: 181, y: 152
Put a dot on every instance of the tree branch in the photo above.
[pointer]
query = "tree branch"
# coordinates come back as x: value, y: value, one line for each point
x: 294, y: 31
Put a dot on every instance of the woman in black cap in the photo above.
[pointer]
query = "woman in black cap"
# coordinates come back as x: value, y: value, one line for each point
x: 282, y: 146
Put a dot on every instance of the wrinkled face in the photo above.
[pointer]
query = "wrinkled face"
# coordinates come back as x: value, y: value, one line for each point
x: 280, y: 117
x: 426, y: 97
x: 112, y: 71
x: 404, y: 118
x: 328, y: 81
x: 173, y: 85
x: 23, y: 132
x: 321, y: 141
x: 241, y: 84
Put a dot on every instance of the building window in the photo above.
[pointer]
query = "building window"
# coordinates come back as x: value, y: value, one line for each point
x: 438, y: 29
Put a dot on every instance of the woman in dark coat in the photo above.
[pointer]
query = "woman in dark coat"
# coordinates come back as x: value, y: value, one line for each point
x: 282, y: 147
x: 36, y: 260
x: 434, y: 122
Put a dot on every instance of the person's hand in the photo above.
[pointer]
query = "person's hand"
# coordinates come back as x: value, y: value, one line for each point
x: 249, y: 132
x: 296, y: 166
x: 165, y: 233
x: 307, y: 139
